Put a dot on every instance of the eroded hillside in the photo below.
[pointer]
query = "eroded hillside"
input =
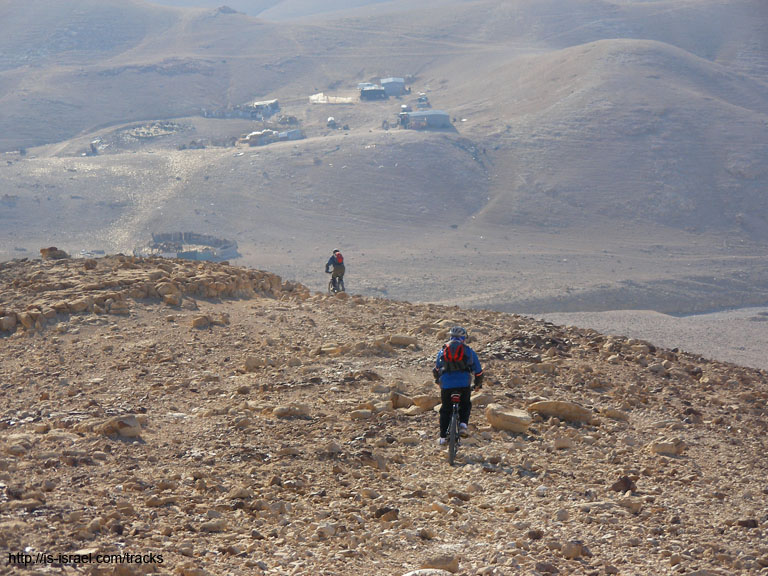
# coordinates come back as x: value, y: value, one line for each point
x: 234, y: 423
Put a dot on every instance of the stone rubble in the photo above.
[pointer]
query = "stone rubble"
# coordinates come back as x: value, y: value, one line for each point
x: 239, y: 424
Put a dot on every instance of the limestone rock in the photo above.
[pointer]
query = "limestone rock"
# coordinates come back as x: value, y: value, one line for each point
x: 569, y: 411
x: 509, y: 419
x: 563, y: 443
x: 573, y: 549
x: 482, y: 398
x: 119, y: 307
x: 447, y: 562
x: 668, y: 447
x: 632, y: 504
x: 253, y: 363
x: 426, y: 401
x: 400, y: 400
x: 8, y: 323
x: 53, y: 253
x: 413, y: 411
x: 294, y: 410
x: 363, y: 414
x: 127, y: 426
x: 624, y: 484
x: 218, y: 525
x: 80, y: 305
x: 615, y: 414
x: 402, y: 340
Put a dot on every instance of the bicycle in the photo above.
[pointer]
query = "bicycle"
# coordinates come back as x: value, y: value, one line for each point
x: 334, y: 289
x: 453, y: 428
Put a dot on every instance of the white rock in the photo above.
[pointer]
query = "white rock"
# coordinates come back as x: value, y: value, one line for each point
x: 295, y: 410
x: 673, y: 447
x: 403, y: 340
x: 563, y: 443
x: 446, y: 562
x: 126, y: 426
x: 507, y: 418
x: 426, y: 401
x: 360, y: 414
x: 569, y: 411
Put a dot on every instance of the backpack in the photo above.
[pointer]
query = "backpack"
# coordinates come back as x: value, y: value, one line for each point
x: 455, y: 357
x: 339, y: 258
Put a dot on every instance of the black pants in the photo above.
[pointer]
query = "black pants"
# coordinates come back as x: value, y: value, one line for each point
x: 338, y: 276
x: 465, y: 406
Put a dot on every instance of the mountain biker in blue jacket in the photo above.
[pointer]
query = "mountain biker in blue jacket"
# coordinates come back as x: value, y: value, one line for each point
x: 455, y: 364
x: 335, y: 267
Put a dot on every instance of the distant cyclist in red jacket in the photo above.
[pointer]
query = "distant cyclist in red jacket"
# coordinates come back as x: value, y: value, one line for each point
x: 335, y: 267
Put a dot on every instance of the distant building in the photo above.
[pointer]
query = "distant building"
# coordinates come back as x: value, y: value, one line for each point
x: 322, y: 98
x: 291, y: 135
x: 393, y: 86
x: 265, y: 108
x: 422, y: 119
x: 261, y: 137
x: 374, y: 93
x: 264, y: 137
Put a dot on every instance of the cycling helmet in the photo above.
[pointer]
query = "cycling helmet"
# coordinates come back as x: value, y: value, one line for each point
x: 458, y: 332
x: 336, y: 251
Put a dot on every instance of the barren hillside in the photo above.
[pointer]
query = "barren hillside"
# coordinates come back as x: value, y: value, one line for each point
x: 213, y: 419
x: 602, y: 154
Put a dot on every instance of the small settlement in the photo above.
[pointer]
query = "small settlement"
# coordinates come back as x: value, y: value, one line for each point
x: 414, y: 114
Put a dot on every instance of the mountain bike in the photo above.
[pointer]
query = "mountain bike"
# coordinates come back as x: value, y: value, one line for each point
x: 333, y: 289
x: 453, y: 429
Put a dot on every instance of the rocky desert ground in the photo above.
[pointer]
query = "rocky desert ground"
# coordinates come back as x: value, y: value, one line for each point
x: 173, y: 417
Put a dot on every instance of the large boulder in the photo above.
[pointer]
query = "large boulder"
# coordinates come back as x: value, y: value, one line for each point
x: 294, y: 410
x: 8, y: 322
x: 560, y: 409
x: 53, y: 253
x: 127, y: 426
x: 509, y: 419
x: 444, y: 562
x: 426, y: 401
x: 403, y: 340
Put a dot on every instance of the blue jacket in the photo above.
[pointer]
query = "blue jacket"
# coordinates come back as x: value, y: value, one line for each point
x: 459, y: 379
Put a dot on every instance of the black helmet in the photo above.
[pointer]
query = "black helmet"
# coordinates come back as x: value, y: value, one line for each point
x: 458, y: 332
x: 336, y: 251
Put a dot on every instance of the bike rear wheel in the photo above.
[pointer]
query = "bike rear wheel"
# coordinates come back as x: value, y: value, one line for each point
x: 453, y: 436
x: 339, y: 286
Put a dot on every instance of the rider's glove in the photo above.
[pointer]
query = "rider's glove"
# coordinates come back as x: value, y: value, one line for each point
x: 479, y: 381
x: 436, y: 375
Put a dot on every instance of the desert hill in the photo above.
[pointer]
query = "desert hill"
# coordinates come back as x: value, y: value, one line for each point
x: 602, y: 154
x: 232, y: 422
